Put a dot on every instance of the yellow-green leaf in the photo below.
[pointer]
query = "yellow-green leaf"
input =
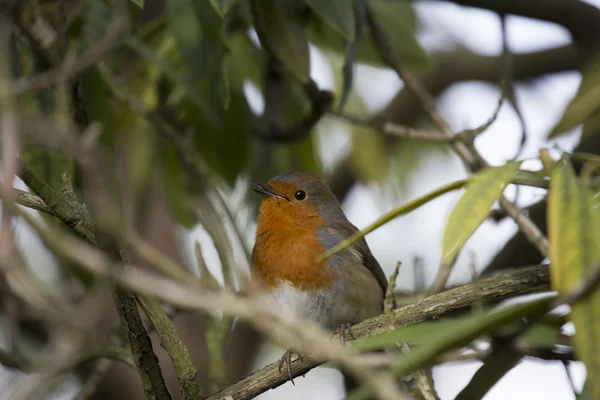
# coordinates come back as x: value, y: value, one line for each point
x: 574, y: 236
x: 474, y: 206
x: 586, y: 103
x: 404, y: 209
x: 280, y: 25
x: 369, y: 159
x: 339, y: 14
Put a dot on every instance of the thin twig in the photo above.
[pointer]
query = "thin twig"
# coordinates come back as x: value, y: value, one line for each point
x: 466, y: 152
x: 91, y: 56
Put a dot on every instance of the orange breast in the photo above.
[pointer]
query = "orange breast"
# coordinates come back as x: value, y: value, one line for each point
x: 287, y: 246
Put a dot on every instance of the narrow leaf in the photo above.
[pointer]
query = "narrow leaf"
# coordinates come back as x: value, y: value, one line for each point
x: 586, y: 103
x: 474, y: 207
x: 494, y: 368
x: 351, y: 50
x: 463, y: 332
x: 404, y: 209
x: 339, y: 14
x: 574, y: 248
x: 139, y: 3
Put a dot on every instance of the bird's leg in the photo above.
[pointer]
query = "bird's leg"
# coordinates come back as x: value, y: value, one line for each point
x: 342, y: 331
x: 287, y: 358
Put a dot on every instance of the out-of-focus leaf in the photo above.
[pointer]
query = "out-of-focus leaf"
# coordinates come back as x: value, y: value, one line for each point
x: 97, y: 104
x: 95, y: 20
x: 591, y: 126
x: 586, y: 393
x: 397, y: 18
x: 226, y: 150
x: 474, y: 207
x: 493, y: 369
x: 197, y: 29
x: 182, y: 83
x: 339, y: 14
x: 173, y: 180
x: 369, y: 158
x: 585, y: 104
x: 351, y: 49
x: 575, y: 248
x: 464, y: 330
x: 139, y: 3
x: 245, y: 60
x: 222, y: 7
x: 214, y: 51
x: 281, y: 27
x: 543, y: 336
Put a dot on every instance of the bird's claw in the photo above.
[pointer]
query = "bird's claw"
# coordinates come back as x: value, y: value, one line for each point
x: 287, y: 358
x: 342, y: 331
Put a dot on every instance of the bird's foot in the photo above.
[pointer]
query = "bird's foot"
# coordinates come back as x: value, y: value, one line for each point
x: 287, y: 359
x: 342, y: 331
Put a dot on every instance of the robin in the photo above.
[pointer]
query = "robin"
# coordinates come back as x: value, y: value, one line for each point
x: 299, y: 219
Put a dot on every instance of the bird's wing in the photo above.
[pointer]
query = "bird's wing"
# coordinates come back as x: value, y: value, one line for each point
x: 345, y: 230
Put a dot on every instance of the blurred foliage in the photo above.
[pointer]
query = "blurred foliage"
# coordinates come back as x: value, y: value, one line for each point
x: 194, y: 66
x: 574, y: 233
x: 585, y: 106
x: 233, y: 78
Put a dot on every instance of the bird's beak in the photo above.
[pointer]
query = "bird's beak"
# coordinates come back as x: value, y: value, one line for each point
x: 267, y: 190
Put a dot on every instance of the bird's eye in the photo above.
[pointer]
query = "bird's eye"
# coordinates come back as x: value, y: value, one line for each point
x: 300, y: 195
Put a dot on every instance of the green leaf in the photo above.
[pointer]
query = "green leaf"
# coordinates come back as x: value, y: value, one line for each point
x: 369, y: 159
x: 404, y: 209
x: 222, y: 7
x: 245, y: 61
x: 215, y: 144
x: 418, y: 334
x: 198, y: 31
x: 182, y: 82
x: 397, y: 20
x: 339, y: 14
x: 496, y: 365
x: 139, y: 3
x: 542, y: 336
x: 574, y: 237
x: 351, y: 49
x: 586, y: 103
x: 281, y: 29
x: 97, y: 104
x: 474, y: 207
x: 586, y: 393
x: 464, y: 331
x: 173, y: 181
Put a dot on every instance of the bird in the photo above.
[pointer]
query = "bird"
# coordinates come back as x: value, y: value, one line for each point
x: 299, y: 219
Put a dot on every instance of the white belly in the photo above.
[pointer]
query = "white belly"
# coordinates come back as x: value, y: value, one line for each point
x: 316, y: 306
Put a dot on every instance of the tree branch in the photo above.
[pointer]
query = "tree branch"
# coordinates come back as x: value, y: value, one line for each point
x: 463, y: 66
x: 450, y: 302
x: 580, y: 18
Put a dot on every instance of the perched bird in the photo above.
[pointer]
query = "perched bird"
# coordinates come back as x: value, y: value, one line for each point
x: 299, y: 219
